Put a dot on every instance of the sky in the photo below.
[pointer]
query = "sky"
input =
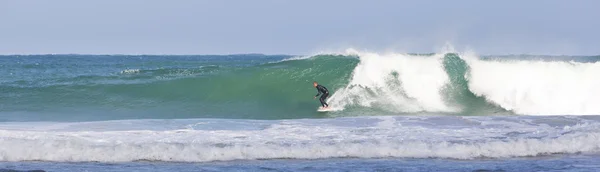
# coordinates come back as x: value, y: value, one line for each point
x: 300, y: 27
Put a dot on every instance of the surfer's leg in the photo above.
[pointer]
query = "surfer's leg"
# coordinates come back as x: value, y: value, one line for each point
x: 322, y: 99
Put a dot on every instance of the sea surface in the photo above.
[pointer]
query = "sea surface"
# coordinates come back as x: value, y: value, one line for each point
x: 254, y: 112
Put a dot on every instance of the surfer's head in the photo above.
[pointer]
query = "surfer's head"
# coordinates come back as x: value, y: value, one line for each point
x: 315, y: 84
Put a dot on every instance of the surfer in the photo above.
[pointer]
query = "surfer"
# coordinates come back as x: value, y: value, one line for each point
x: 321, y: 90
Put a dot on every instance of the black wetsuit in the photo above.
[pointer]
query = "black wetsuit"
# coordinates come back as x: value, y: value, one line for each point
x: 321, y: 89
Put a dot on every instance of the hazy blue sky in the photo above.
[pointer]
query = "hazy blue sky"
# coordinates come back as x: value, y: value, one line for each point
x: 297, y: 27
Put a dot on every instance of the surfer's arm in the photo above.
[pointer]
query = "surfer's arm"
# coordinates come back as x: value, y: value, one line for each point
x: 318, y: 91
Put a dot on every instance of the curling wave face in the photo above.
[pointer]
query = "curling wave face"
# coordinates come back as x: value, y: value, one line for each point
x: 88, y: 87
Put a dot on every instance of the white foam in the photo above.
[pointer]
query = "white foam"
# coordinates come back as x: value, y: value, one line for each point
x: 311, y: 56
x: 396, y: 82
x: 538, y: 87
x: 422, y: 137
x: 294, y: 58
x: 410, y: 83
x: 130, y: 71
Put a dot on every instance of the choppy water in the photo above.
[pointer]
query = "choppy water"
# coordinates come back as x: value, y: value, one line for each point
x: 551, y: 163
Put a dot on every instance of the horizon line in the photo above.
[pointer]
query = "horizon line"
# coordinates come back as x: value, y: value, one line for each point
x: 263, y: 54
x: 86, y: 54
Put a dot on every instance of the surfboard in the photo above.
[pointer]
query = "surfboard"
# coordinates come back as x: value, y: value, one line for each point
x: 321, y: 109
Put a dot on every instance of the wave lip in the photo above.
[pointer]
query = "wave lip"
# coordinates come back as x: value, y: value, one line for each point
x: 404, y: 137
x: 396, y: 82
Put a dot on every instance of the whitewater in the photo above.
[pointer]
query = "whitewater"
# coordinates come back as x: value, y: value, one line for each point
x: 372, y: 137
x: 234, y: 112
x: 435, y: 83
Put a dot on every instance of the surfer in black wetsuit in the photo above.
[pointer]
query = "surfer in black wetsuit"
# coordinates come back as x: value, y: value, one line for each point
x: 321, y: 90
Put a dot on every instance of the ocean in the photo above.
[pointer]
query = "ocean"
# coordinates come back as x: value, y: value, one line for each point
x: 253, y: 112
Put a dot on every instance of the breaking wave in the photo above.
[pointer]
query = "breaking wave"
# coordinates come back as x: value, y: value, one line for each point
x: 365, y: 137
